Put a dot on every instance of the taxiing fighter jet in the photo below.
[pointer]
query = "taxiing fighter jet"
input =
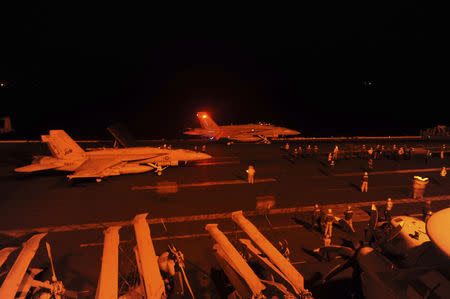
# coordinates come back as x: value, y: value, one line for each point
x: 246, y: 133
x: 67, y: 155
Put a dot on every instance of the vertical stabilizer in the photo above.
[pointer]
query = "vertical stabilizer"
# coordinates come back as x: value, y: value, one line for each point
x: 5, y: 125
x: 61, y: 145
x: 206, y: 121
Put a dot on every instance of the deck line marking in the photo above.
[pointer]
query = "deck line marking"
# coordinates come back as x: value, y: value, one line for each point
x: 204, y: 184
x: 202, y: 235
x: 209, y: 217
x: 379, y: 172
x: 216, y: 163
x: 205, y: 235
x: 372, y: 187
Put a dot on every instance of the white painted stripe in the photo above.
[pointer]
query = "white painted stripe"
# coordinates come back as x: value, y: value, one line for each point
x: 419, y: 170
x: 355, y: 138
x: 215, y: 163
x: 201, y: 235
x: 205, y: 184
x: 362, y: 218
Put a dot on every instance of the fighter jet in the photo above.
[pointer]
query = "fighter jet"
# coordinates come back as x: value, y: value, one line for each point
x: 67, y: 155
x: 408, y: 259
x: 246, y: 133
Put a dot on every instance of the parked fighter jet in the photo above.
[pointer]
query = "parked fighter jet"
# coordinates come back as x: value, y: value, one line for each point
x: 285, y: 282
x: 20, y: 281
x: 408, y: 259
x: 248, y: 132
x: 67, y: 155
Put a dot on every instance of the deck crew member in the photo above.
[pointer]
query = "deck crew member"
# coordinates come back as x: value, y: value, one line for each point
x: 427, y: 212
x: 370, y: 164
x: 335, y: 152
x: 315, y: 218
x: 251, y: 174
x: 419, y: 185
x: 443, y: 172
x: 365, y: 182
x: 388, y: 210
x: 348, y: 216
x: 329, y: 218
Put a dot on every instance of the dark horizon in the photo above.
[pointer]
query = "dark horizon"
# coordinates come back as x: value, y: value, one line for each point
x: 335, y: 71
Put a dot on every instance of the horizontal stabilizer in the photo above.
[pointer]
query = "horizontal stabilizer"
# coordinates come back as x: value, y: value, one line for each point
x: 38, y: 167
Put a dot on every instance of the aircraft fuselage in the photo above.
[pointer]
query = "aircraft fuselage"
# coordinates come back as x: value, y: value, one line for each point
x: 249, y: 132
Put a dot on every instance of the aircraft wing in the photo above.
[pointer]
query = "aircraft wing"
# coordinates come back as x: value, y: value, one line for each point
x: 143, y: 158
x: 37, y: 167
x: 252, y: 131
x: 243, y: 130
x: 94, y: 168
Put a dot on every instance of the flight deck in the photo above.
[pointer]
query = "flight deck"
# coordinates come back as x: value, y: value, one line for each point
x: 184, y: 199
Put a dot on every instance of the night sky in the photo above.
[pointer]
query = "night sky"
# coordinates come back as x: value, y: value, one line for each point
x: 320, y: 69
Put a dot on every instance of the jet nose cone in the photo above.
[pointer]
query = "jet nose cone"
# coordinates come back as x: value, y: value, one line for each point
x: 290, y: 132
x: 202, y: 156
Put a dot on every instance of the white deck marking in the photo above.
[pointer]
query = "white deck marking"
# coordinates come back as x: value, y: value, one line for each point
x: 358, y: 216
x: 379, y: 172
x: 209, y: 217
x: 201, y: 235
x: 205, y: 184
x: 216, y: 163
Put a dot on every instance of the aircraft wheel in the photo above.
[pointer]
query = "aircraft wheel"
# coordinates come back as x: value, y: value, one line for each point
x: 159, y: 173
x: 98, y: 180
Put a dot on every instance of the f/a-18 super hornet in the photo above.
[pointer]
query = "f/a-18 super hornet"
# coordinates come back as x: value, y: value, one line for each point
x: 67, y: 155
x: 246, y: 133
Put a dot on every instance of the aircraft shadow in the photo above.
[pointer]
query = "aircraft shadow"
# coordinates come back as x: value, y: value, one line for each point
x: 34, y: 175
x: 323, y: 163
x: 241, y: 177
x: 304, y: 223
x: 354, y: 186
x: 324, y: 172
x: 289, y: 158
